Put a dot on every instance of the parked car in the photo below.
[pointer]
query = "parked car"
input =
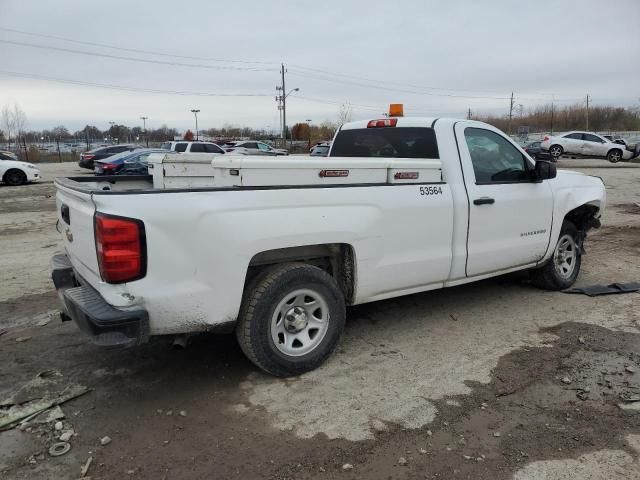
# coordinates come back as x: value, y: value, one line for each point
x: 14, y: 172
x: 535, y: 151
x: 7, y: 155
x: 192, y: 147
x: 271, y: 253
x: 320, y: 150
x: 585, y: 144
x: 87, y: 159
x: 252, y: 147
x: 114, y: 164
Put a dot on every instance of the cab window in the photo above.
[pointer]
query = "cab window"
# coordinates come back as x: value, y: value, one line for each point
x: 197, y: 148
x: 395, y: 142
x: 494, y: 158
x: 181, y: 147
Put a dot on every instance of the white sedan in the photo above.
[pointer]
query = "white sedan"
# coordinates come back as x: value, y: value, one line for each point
x: 15, y: 172
x: 585, y: 144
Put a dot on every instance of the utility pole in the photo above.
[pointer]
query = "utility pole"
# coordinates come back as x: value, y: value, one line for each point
x: 144, y: 127
x: 587, y: 127
x: 510, y: 112
x: 469, y: 114
x: 284, y: 108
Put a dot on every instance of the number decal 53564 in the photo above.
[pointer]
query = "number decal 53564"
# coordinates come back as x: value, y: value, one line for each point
x: 431, y: 190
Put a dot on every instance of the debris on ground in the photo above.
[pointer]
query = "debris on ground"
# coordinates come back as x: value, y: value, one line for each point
x: 566, y: 380
x: 347, y: 466
x: 402, y: 461
x: 45, y: 391
x: 630, y: 369
x: 22, y: 339
x: 105, y: 441
x: 613, y: 288
x: 59, y: 449
x: 85, y: 468
x: 183, y: 413
x: 66, y: 436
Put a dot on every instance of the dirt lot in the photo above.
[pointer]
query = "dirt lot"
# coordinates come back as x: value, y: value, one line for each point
x: 494, y: 380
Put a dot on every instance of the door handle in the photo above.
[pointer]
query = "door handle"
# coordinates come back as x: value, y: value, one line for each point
x: 484, y: 201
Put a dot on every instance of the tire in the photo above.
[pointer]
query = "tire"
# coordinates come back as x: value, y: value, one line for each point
x: 279, y: 328
x: 614, y: 155
x: 15, y: 177
x: 562, y: 269
x: 556, y: 151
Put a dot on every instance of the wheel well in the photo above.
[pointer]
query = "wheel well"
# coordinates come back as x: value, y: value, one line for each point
x: 584, y: 217
x: 12, y: 170
x: 614, y: 149
x: 337, y: 259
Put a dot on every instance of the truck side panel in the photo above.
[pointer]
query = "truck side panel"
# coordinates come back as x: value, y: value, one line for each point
x: 199, y: 244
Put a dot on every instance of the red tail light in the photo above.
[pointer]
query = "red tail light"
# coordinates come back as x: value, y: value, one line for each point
x: 87, y: 156
x: 108, y: 166
x: 546, y: 137
x: 385, y: 122
x: 121, y: 248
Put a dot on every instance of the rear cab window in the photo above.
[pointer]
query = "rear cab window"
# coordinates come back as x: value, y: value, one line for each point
x: 393, y: 142
x: 181, y: 147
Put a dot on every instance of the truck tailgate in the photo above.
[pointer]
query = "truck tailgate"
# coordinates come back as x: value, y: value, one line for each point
x: 75, y: 222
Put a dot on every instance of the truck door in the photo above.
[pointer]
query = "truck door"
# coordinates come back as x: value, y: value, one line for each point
x: 509, y: 214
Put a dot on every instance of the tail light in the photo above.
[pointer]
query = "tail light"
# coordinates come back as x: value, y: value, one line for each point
x: 121, y: 248
x: 385, y: 122
x: 87, y: 156
x: 108, y: 166
x: 546, y: 137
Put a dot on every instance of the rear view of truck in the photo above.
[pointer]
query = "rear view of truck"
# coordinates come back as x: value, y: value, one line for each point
x: 99, y: 249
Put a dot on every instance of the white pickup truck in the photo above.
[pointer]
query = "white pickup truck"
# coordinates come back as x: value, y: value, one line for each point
x: 276, y: 248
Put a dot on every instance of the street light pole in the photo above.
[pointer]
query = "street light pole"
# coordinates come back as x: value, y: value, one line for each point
x: 195, y: 114
x: 144, y: 127
x: 309, y: 125
x: 284, y: 110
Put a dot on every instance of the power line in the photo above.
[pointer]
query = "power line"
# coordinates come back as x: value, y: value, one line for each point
x: 388, y: 89
x: 132, y: 59
x: 127, y: 89
x: 135, y: 50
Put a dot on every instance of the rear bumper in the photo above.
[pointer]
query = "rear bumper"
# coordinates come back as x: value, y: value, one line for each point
x: 106, y: 325
x: 86, y: 164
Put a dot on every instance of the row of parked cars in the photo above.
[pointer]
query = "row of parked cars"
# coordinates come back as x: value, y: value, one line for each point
x: 131, y: 159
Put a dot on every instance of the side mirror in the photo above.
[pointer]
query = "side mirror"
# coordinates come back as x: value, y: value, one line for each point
x: 545, y: 170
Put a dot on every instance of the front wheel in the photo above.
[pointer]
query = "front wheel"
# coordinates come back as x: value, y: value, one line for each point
x: 556, y: 151
x: 15, y: 177
x: 614, y: 156
x: 291, y: 319
x: 562, y: 269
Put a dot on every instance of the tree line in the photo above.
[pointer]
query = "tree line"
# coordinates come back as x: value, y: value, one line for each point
x: 546, y: 118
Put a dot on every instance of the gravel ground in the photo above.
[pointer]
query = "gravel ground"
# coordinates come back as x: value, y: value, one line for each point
x: 493, y: 380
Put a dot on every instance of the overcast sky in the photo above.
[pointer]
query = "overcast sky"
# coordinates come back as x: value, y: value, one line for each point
x: 436, y: 57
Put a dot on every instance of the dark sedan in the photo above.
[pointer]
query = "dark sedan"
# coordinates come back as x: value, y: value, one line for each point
x: 126, y: 163
x: 87, y: 158
x: 534, y: 150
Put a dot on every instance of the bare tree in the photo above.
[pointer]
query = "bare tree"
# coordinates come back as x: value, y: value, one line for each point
x: 8, y: 124
x: 344, y: 114
x: 19, y: 120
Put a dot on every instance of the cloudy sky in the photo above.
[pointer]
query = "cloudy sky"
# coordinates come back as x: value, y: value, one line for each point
x: 436, y: 57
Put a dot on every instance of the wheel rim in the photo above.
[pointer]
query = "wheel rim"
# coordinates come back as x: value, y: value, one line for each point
x: 565, y: 256
x: 614, y: 156
x: 14, y: 178
x: 299, y: 322
x: 555, y: 151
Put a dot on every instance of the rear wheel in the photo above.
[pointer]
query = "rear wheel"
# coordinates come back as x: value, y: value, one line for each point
x: 15, y: 177
x: 291, y: 319
x: 614, y: 156
x: 562, y: 269
x: 556, y: 151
